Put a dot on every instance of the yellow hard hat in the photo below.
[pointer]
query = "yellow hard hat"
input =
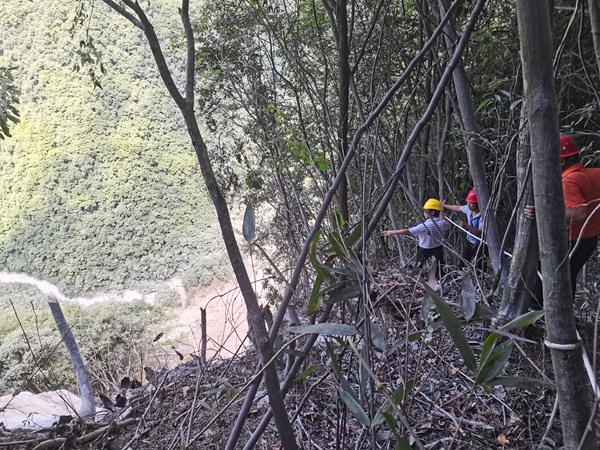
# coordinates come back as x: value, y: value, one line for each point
x: 432, y: 203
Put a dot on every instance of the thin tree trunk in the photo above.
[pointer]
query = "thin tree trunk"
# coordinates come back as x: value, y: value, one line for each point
x: 522, y: 276
x: 88, y: 406
x: 536, y: 56
x: 338, y: 18
x: 474, y: 147
x: 594, y: 10
x: 186, y: 104
x: 444, y: 118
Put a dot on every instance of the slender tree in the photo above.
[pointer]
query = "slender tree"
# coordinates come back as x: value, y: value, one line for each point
x: 536, y: 56
x: 186, y: 102
x: 594, y: 11
x: 88, y: 407
x: 522, y: 276
x: 474, y: 146
x: 338, y: 16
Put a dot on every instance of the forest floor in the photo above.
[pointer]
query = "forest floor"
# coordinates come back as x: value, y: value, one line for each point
x: 194, y: 406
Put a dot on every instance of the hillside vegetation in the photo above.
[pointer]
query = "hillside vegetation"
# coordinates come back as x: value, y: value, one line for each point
x: 346, y: 117
x: 99, y: 187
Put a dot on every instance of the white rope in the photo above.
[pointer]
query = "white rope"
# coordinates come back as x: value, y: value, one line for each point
x: 476, y: 237
x: 564, y: 347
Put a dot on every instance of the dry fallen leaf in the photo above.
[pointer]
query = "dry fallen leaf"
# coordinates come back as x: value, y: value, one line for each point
x: 503, y: 441
x: 516, y: 420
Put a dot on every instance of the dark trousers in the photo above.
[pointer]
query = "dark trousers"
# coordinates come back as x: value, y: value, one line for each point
x: 582, y: 254
x: 423, y: 254
x: 469, y: 251
x: 584, y: 251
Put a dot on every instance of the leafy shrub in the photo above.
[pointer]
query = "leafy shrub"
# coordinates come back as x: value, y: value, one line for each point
x: 204, y: 271
x: 167, y: 298
x: 21, y: 295
x: 40, y: 360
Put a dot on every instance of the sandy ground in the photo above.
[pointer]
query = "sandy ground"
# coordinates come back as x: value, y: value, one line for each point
x: 225, y: 317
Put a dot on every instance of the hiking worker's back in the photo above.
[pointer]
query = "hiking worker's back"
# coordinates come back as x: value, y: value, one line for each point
x: 581, y: 190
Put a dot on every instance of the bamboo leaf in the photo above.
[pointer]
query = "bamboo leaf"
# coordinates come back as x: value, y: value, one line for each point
x: 468, y: 298
x: 507, y: 334
x: 389, y: 419
x: 377, y: 337
x: 249, y: 225
x: 334, y: 361
x: 403, y: 444
x: 499, y: 360
x: 354, y: 407
x: 344, y: 294
x: 486, y: 351
x: 306, y: 373
x: 312, y: 254
x: 379, y: 418
x: 315, y: 296
x: 454, y: 328
x: 337, y: 220
x: 483, y: 104
x: 426, y: 305
x: 336, y: 244
x: 524, y: 320
x: 354, y: 236
x: 531, y: 384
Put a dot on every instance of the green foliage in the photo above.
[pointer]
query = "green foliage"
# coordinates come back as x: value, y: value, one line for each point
x: 204, y: 270
x: 113, y: 340
x: 41, y: 360
x: 21, y: 295
x: 494, y: 355
x: 167, y: 298
x: 99, y: 187
x: 341, y: 271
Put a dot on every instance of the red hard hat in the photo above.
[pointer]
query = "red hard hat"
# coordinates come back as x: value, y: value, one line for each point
x: 471, y: 196
x: 568, y: 147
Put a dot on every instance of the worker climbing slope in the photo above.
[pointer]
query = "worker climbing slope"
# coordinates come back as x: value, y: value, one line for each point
x: 430, y: 233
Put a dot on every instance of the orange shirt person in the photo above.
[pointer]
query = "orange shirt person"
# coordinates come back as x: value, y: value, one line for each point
x: 581, y: 191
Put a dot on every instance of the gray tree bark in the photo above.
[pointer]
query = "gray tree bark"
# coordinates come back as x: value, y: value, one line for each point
x: 536, y: 56
x: 474, y: 147
x: 594, y: 10
x: 88, y: 406
x: 523, y: 269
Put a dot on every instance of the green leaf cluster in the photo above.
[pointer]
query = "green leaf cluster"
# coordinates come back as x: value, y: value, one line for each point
x: 494, y: 353
x: 99, y: 188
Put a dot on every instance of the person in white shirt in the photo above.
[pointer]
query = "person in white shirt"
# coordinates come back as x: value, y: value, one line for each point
x: 430, y: 233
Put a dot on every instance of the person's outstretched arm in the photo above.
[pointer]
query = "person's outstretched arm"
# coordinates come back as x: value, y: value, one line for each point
x: 403, y: 231
x: 450, y: 207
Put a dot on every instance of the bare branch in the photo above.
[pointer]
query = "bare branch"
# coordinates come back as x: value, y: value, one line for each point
x: 161, y: 63
x: 122, y: 11
x: 191, y: 52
